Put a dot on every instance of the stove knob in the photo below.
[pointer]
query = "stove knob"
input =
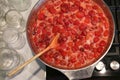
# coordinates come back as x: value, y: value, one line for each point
x: 100, y: 66
x: 114, y: 65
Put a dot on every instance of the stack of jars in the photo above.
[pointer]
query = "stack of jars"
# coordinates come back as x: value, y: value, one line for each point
x: 12, y: 27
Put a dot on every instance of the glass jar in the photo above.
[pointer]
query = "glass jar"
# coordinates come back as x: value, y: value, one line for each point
x: 9, y: 60
x: 20, y: 5
x: 14, y: 38
x: 14, y: 19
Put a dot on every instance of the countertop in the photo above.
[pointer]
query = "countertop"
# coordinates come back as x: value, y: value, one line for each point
x: 35, y: 70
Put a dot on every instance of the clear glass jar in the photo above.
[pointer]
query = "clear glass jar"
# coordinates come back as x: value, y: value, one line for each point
x: 3, y: 24
x: 9, y: 60
x: 14, y: 19
x: 20, y: 5
x: 2, y: 44
x: 13, y: 38
x: 3, y: 7
x: 1, y: 12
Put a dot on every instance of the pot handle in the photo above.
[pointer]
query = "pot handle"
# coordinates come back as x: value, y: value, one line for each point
x: 78, y: 74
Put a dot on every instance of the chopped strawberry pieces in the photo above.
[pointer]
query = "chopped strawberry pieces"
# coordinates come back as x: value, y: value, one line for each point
x: 38, y: 31
x: 80, y: 8
x: 81, y: 49
x: 96, y: 19
x: 100, y: 49
x: 49, y: 59
x: 102, y: 43
x: 87, y: 1
x: 79, y: 15
x: 96, y: 39
x: 60, y: 20
x: 106, y: 33
x: 77, y: 3
x: 50, y: 20
x: 63, y: 53
x: 88, y: 6
x: 74, y: 8
x: 91, y: 13
x: 63, y: 63
x: 76, y: 22
x: 89, y: 56
x: 81, y: 0
x: 106, y: 24
x: 83, y: 27
x: 35, y: 24
x: 63, y: 0
x: 94, y: 50
x: 95, y: 7
x: 41, y: 16
x: 75, y: 48
x: 87, y: 19
x: 62, y: 39
x: 87, y: 46
x: 83, y: 33
x: 70, y: 44
x: 97, y: 33
x: 65, y: 7
x: 57, y: 61
x: 77, y: 64
x: 55, y: 29
x: 72, y: 60
x: 82, y: 61
x: 35, y: 39
x: 52, y: 10
x: 96, y: 55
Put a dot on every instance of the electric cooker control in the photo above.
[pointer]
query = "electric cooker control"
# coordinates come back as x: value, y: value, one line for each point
x: 114, y: 65
x: 100, y: 66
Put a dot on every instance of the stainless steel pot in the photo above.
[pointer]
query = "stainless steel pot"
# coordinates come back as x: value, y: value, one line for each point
x: 87, y: 71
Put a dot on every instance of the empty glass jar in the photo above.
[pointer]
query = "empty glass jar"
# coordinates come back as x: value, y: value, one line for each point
x: 20, y: 5
x: 1, y: 12
x: 13, y: 38
x: 15, y: 19
x: 3, y: 7
x: 2, y: 44
x: 3, y: 24
x: 9, y: 60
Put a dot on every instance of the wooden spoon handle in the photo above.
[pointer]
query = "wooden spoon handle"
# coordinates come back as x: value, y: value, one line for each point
x: 26, y: 63
x: 52, y: 45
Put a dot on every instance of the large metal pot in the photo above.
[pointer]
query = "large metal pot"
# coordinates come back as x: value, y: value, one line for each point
x: 87, y: 71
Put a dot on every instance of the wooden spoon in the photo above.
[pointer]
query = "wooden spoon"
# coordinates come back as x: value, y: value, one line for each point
x: 53, y: 44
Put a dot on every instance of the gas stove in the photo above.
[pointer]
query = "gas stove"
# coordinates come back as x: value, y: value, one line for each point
x: 110, y: 64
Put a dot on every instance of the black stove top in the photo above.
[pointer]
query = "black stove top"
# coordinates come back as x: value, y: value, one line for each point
x: 110, y: 64
x: 112, y: 59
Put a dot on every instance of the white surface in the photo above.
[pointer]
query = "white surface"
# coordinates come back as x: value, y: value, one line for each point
x: 35, y: 70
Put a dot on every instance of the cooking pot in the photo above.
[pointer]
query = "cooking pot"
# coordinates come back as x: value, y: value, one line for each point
x: 86, y: 71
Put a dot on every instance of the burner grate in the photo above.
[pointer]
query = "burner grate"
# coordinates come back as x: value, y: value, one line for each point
x: 114, y: 52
